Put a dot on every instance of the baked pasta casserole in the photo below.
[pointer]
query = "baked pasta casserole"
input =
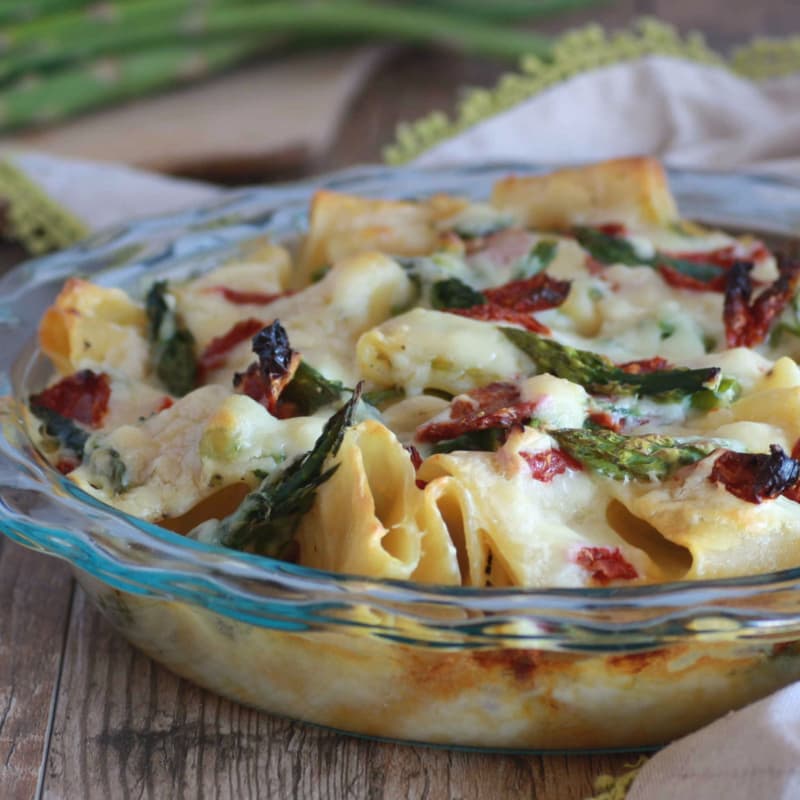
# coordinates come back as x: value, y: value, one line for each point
x: 565, y: 386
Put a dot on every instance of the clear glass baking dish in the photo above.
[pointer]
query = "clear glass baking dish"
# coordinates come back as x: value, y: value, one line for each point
x: 496, y: 669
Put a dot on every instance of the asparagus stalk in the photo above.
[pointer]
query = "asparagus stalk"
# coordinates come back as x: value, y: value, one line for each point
x: 187, y: 20
x: 641, y: 458
x: 511, y: 9
x: 266, y: 519
x: 172, y: 346
x: 616, y: 250
x: 600, y: 375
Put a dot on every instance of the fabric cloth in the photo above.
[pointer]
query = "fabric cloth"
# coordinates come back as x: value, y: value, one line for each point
x: 689, y: 114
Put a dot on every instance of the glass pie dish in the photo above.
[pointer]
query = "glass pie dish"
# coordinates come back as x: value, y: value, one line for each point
x: 535, y: 670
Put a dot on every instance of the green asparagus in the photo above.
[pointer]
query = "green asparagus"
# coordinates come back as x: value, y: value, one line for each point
x: 599, y: 375
x: 616, y: 250
x: 267, y: 518
x: 172, y: 346
x: 641, y: 458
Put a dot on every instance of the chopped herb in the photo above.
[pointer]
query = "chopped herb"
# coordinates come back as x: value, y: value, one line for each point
x: 172, y: 346
x: 318, y: 274
x: 267, y: 518
x: 106, y: 462
x: 599, y: 375
x: 666, y: 328
x: 649, y: 457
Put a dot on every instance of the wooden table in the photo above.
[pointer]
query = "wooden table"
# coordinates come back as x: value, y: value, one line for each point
x: 84, y: 715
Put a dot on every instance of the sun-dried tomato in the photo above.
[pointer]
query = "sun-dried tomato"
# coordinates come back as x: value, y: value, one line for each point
x: 612, y: 229
x: 66, y: 465
x: 242, y: 297
x: 497, y: 405
x: 413, y: 453
x: 606, y: 564
x: 277, y: 363
x: 748, y: 320
x: 605, y: 419
x: 82, y: 397
x: 727, y: 256
x: 645, y: 365
x: 679, y: 280
x: 546, y: 464
x: 490, y: 312
x: 756, y: 477
x: 216, y: 351
x: 536, y: 293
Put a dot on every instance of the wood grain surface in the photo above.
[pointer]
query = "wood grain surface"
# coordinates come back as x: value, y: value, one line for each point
x: 84, y: 715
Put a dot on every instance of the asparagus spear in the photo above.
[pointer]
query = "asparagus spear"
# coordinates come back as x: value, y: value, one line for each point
x: 641, y: 458
x: 600, y: 375
x: 310, y: 390
x: 266, y: 520
x: 229, y: 17
x: 172, y: 346
x: 615, y: 250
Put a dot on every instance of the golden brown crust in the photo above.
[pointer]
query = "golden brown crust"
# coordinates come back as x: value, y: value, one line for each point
x: 633, y: 191
x: 342, y: 225
x: 90, y: 323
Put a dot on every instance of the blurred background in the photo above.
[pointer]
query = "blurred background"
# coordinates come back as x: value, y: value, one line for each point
x: 238, y: 91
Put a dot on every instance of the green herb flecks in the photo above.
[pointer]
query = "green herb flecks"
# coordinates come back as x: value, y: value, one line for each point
x: 69, y: 435
x: 610, y: 249
x: 267, y: 518
x: 641, y: 458
x: 106, y: 464
x: 599, y: 375
x: 172, y: 350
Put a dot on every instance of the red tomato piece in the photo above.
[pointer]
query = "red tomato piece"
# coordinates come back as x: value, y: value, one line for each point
x: 536, y: 293
x: 82, y: 397
x: 606, y: 564
x: 494, y: 313
x: 546, y: 464
x: 240, y: 297
x: 213, y: 357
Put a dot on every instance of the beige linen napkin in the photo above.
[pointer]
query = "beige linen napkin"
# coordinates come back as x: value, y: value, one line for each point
x: 689, y: 114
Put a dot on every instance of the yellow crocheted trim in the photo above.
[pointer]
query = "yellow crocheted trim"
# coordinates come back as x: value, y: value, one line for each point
x: 609, y: 787
x: 577, y: 52
x: 767, y: 58
x: 31, y: 217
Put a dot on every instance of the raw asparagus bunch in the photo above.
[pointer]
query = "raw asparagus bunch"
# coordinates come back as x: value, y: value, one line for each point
x: 61, y: 57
